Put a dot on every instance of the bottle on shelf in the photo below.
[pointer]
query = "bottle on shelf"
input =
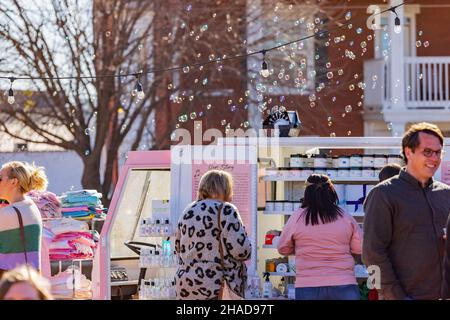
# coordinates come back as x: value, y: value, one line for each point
x: 167, y: 227
x: 267, y: 287
x: 156, y: 227
x: 143, y: 228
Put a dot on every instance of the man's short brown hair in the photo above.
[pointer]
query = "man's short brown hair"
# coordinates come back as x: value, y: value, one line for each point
x: 411, y: 137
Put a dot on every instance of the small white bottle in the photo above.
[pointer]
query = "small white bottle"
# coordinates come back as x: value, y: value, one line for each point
x: 156, y: 227
x: 172, y: 291
x: 149, y: 227
x: 167, y: 228
x: 267, y: 287
x: 156, y: 259
x: 143, y: 228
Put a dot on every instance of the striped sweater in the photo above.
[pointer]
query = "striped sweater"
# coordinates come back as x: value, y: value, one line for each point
x: 11, y: 247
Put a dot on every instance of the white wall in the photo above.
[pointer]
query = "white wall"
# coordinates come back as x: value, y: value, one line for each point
x: 63, y: 168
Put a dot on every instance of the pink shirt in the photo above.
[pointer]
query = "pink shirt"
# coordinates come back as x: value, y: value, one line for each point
x: 322, y: 252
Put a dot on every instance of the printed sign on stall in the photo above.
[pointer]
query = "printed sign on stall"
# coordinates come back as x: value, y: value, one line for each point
x: 241, y: 174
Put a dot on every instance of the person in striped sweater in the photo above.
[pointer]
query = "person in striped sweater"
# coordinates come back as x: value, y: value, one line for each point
x: 16, y: 179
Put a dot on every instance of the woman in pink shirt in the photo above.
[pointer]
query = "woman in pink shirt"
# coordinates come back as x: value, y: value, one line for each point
x: 323, y: 238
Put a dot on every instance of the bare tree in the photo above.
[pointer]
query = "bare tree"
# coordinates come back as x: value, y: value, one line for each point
x: 94, y: 41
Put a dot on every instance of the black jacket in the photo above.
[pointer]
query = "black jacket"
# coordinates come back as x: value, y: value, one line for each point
x: 446, y: 282
x: 404, y: 235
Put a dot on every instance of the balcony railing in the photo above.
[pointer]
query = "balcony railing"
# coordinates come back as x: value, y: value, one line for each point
x: 426, y: 83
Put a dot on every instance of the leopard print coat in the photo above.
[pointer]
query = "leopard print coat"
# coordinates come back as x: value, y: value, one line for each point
x: 200, y: 273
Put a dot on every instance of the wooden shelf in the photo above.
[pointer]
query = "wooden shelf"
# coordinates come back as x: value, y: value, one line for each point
x: 289, y: 213
x: 334, y: 180
x: 282, y: 274
x: 124, y: 283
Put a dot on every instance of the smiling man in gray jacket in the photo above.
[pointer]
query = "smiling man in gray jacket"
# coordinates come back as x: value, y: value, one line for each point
x: 405, y: 217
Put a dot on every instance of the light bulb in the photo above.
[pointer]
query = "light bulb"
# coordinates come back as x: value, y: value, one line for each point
x: 11, y: 99
x: 264, y: 70
x: 139, y: 91
x: 398, y: 25
x: 141, y: 95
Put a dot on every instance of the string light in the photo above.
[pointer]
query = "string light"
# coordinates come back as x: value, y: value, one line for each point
x: 138, y: 91
x: 264, y: 68
x: 11, y: 98
x: 397, y: 22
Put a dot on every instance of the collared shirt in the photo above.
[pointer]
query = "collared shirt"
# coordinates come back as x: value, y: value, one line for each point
x: 404, y: 235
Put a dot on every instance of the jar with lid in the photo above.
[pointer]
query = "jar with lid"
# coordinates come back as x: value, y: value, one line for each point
x: 343, y: 173
x: 278, y: 206
x: 335, y: 162
x: 367, y: 160
x: 320, y: 170
x: 368, y: 172
x: 296, y: 161
x: 320, y: 161
x: 332, y: 173
x: 395, y: 158
x: 288, y: 206
x: 344, y: 162
x: 270, y: 206
x: 356, y: 160
x: 306, y: 172
x: 379, y: 160
x: 308, y: 162
x: 355, y: 172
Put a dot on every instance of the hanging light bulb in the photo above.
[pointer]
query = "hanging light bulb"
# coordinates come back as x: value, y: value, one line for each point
x: 11, y: 98
x: 138, y: 91
x: 398, y: 25
x: 397, y: 22
x: 264, y: 67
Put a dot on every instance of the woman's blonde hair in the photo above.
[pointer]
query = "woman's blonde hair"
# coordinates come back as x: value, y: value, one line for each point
x: 215, y: 184
x: 30, y: 176
x: 29, y: 275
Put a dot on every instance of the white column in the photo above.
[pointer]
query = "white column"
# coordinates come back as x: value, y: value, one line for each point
x: 254, y: 33
x: 397, y: 128
x: 396, y: 59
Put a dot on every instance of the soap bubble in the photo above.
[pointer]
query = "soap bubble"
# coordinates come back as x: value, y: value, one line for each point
x: 183, y: 118
x: 87, y: 131
x: 223, y: 122
x: 186, y: 69
x: 333, y: 135
x: 348, y: 108
x: 204, y: 28
x: 209, y: 106
x: 351, y: 87
x: 193, y: 115
x: 233, y: 108
x: 348, y: 15
x: 359, y: 30
x: 330, y: 75
x: 340, y: 72
x: 418, y: 43
x: 426, y: 44
x: 312, y: 97
x: 349, y: 133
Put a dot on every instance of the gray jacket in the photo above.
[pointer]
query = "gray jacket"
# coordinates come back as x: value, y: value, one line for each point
x: 403, y: 235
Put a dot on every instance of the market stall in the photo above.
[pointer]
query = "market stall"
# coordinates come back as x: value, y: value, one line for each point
x: 269, y: 174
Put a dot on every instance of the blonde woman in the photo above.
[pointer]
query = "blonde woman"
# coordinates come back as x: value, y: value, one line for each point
x: 20, y: 221
x: 24, y: 283
x: 201, y: 269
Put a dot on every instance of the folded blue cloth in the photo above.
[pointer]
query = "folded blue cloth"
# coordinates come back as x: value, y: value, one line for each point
x: 82, y: 193
x: 81, y: 199
x: 76, y: 214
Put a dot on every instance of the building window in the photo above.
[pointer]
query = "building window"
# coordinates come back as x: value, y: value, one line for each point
x: 293, y: 67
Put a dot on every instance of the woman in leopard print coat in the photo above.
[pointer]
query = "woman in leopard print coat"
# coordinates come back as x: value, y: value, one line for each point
x: 200, y: 273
